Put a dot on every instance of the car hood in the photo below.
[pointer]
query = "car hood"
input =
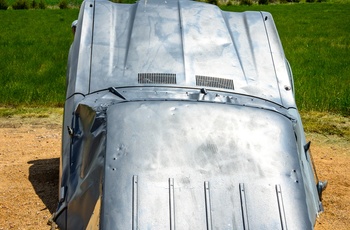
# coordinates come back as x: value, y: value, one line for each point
x: 193, y: 165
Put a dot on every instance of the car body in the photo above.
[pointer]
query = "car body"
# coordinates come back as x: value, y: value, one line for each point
x: 181, y: 115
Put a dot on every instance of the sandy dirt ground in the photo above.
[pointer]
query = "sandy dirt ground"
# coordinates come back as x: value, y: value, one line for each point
x: 29, y: 169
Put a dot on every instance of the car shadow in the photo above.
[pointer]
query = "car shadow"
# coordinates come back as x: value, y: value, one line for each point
x: 43, y: 174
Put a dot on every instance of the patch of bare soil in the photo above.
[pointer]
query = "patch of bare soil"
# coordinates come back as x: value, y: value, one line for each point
x: 29, y: 168
x: 332, y: 159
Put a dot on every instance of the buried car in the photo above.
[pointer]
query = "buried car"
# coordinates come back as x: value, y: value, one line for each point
x: 180, y: 115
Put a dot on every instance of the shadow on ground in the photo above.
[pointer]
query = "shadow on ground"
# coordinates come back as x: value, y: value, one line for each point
x: 43, y: 174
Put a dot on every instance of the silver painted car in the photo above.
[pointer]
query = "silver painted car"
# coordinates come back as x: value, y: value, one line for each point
x: 180, y: 115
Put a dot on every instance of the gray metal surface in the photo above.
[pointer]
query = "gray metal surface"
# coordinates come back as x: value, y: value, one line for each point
x: 184, y: 38
x: 181, y: 116
x: 215, y: 155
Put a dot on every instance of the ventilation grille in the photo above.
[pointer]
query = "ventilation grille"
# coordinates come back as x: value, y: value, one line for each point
x: 157, y: 78
x: 214, y: 82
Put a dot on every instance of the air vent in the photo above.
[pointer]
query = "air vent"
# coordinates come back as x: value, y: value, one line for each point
x: 214, y: 82
x: 157, y: 78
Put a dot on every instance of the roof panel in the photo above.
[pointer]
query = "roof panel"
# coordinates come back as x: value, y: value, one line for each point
x: 188, y: 39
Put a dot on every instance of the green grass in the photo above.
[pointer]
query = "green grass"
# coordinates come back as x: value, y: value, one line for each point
x: 316, y: 40
x: 33, y: 112
x: 70, y: 2
x: 51, y: 2
x: 34, y: 47
x: 326, y: 124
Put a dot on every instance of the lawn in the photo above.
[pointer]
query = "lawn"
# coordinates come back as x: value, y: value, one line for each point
x: 34, y: 48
